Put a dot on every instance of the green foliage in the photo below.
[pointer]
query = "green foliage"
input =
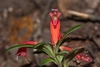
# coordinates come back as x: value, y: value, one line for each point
x: 39, y: 45
x: 46, y: 61
x: 63, y: 52
x: 48, y: 50
x: 19, y: 46
x: 26, y: 45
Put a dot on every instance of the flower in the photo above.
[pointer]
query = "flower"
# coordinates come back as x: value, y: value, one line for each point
x: 29, y: 42
x: 55, y: 26
x: 65, y: 48
x: 79, y: 56
x: 83, y: 58
x: 22, y: 51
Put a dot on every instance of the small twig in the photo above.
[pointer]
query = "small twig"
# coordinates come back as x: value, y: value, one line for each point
x: 26, y: 61
x: 84, y: 16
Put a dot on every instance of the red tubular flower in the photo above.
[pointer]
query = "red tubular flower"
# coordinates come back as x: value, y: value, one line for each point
x: 22, y: 51
x: 65, y: 48
x: 55, y: 26
x: 80, y: 56
x: 29, y: 42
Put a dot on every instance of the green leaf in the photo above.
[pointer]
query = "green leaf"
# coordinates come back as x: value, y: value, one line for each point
x: 48, y: 50
x: 60, y: 58
x: 25, y: 45
x: 70, y: 30
x: 72, y: 54
x: 63, y: 52
x: 39, y: 45
x: 19, y: 46
x: 46, y: 61
x: 67, y: 40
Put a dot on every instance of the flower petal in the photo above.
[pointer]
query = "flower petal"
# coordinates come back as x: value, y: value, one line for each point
x: 65, y: 48
x: 29, y: 42
x: 55, y: 26
x: 22, y: 52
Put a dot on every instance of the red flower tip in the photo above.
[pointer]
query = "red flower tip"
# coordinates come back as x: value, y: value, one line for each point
x: 65, y: 48
x: 54, y: 15
x: 29, y: 42
x: 21, y: 52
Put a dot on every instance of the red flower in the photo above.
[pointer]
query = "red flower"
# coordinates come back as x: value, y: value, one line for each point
x: 22, y: 51
x: 80, y: 56
x: 55, y: 26
x: 83, y: 57
x: 29, y: 42
x: 65, y: 48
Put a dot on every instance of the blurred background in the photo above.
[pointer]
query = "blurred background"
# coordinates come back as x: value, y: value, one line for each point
x: 22, y: 20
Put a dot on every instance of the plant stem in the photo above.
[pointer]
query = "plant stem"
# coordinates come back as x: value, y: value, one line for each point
x: 59, y: 65
x: 57, y: 60
x: 66, y: 64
